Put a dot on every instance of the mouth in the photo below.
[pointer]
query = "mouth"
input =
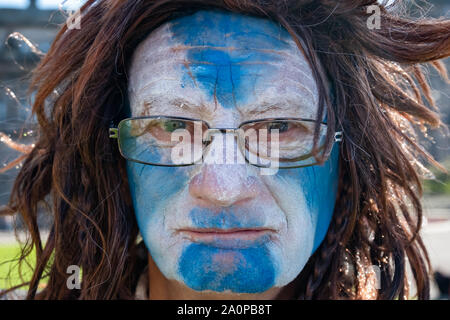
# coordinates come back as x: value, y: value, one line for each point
x: 228, y: 238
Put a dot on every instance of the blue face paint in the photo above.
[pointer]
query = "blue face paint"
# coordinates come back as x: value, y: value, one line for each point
x: 228, y: 76
x: 319, y: 185
x: 249, y: 270
x: 227, y: 218
x: 321, y: 192
x: 230, y: 59
x: 150, y: 188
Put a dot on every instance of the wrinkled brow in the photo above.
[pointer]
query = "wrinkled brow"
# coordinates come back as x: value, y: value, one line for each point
x: 263, y: 107
x: 177, y: 104
x: 253, y: 111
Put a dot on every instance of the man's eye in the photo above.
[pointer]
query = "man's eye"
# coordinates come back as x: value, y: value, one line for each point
x: 281, y: 126
x: 172, y: 125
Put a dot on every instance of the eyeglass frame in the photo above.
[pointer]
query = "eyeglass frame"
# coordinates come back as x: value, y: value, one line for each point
x: 114, y: 134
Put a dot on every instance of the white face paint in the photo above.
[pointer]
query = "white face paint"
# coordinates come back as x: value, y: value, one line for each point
x: 226, y: 227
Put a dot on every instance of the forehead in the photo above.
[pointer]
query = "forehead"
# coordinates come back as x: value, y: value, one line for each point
x: 244, y: 37
x: 218, y: 60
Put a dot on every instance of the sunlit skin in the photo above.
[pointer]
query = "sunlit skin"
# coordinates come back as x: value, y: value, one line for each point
x: 224, y: 230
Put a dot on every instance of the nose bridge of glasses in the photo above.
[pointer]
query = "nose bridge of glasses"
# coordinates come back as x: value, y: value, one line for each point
x: 210, y: 132
x: 223, y: 143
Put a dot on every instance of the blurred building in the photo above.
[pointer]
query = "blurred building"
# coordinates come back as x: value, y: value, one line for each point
x: 17, y: 58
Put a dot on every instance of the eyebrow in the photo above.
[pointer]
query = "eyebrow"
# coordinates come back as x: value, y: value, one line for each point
x: 180, y: 103
x: 253, y: 110
x: 295, y: 106
x: 267, y: 106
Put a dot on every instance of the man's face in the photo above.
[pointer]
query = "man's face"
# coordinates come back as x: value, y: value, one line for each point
x: 227, y: 227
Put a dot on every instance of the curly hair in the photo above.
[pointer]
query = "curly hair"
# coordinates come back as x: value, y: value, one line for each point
x: 380, y: 99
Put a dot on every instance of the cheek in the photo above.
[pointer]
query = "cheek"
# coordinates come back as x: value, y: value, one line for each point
x: 326, y: 182
x: 153, y: 190
x: 319, y: 187
x: 153, y: 187
x: 307, y: 197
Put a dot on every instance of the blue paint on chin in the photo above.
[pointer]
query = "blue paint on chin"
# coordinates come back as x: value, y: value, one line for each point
x: 228, y: 75
x: 248, y: 270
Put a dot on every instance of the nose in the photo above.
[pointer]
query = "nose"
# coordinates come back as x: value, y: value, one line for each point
x: 223, y: 185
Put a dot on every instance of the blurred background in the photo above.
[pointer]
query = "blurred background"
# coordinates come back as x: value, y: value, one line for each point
x: 27, y: 28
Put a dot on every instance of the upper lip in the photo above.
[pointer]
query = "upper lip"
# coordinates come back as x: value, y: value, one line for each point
x: 227, y: 238
x: 223, y: 231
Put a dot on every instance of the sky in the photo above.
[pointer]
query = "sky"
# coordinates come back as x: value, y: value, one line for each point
x: 41, y: 4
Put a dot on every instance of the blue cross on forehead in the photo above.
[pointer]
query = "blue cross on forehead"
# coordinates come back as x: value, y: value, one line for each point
x: 226, y: 53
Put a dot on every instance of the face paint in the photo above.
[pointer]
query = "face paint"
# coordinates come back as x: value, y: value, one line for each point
x: 226, y: 228
x: 228, y: 75
x: 206, y: 267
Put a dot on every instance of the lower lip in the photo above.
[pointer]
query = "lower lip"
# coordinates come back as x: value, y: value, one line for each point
x: 229, y: 239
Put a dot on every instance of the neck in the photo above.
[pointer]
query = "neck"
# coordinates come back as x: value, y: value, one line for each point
x: 161, y: 288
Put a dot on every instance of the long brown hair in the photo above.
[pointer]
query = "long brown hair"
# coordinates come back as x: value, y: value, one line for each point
x: 380, y: 97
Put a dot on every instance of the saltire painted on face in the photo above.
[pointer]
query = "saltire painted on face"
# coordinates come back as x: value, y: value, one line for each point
x: 231, y: 59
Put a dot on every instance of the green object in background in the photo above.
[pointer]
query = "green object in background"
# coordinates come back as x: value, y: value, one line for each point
x: 441, y: 184
x: 9, y: 268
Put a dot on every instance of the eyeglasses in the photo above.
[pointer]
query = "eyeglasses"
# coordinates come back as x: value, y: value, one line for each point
x: 155, y: 140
